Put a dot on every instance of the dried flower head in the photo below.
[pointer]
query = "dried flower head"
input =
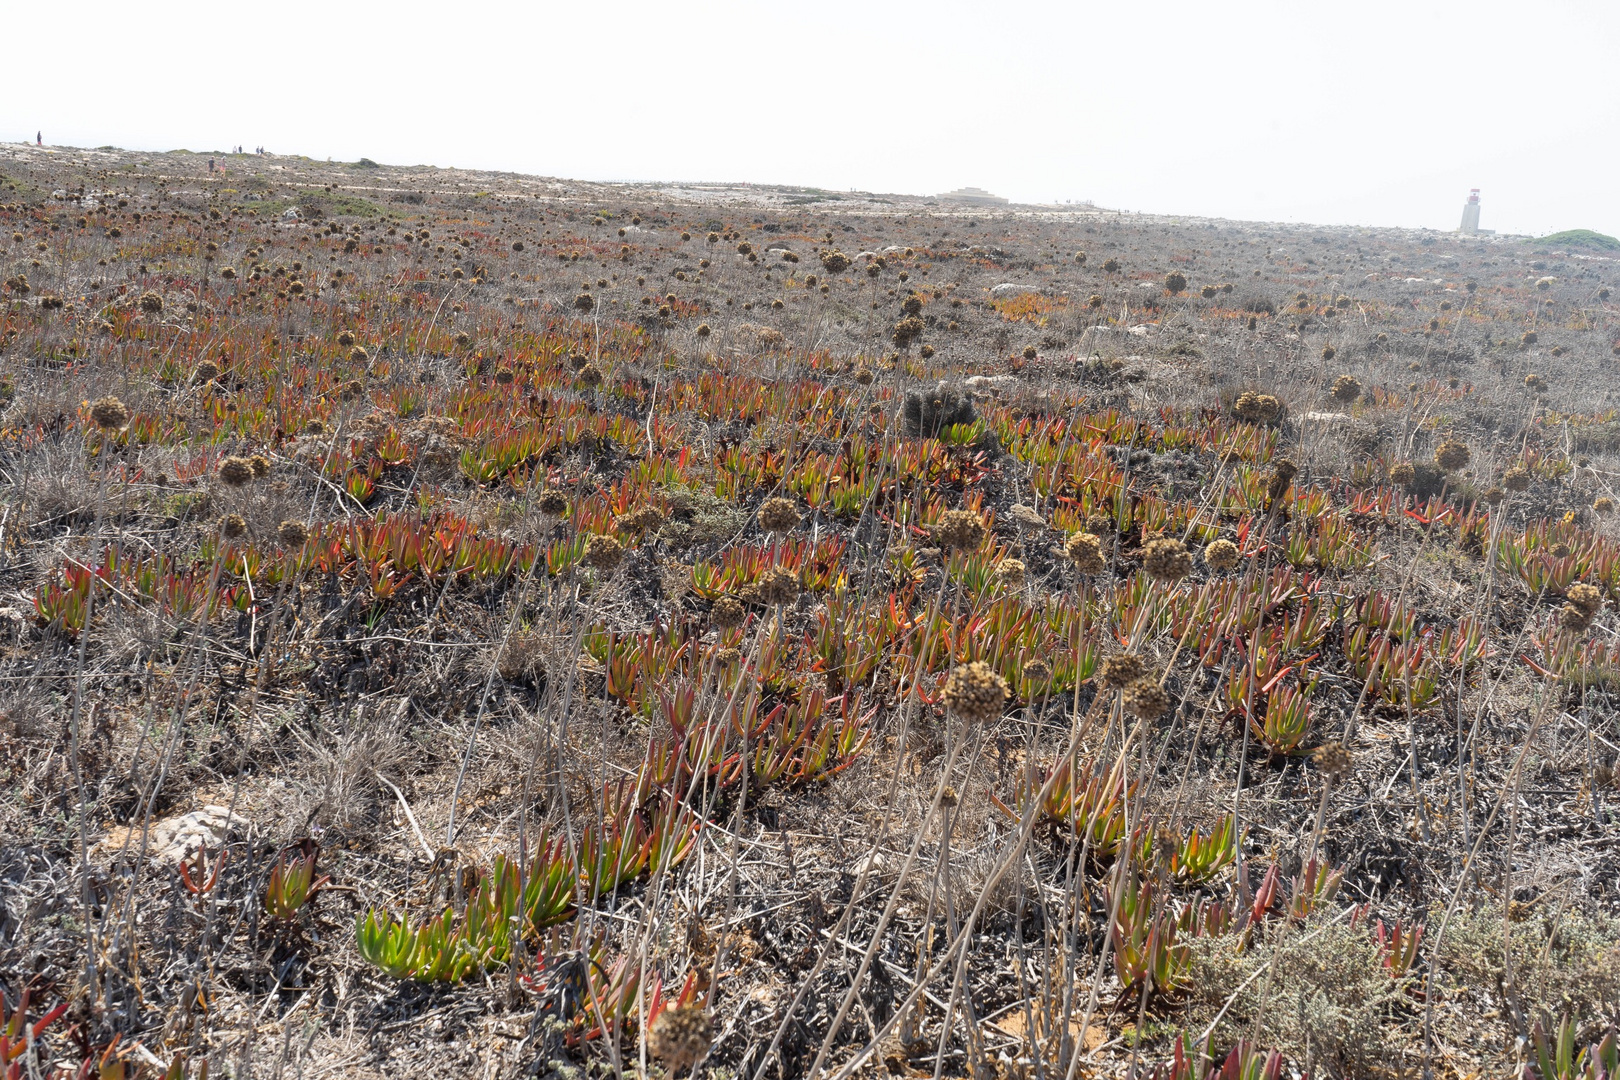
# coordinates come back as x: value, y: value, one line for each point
x: 110, y: 414
x: 1010, y: 573
x: 1346, y: 389
x: 1333, y: 759
x: 603, y: 552
x: 207, y: 371
x: 292, y: 534
x: 778, y: 515
x: 1166, y: 559
x: 777, y: 586
x: 975, y: 692
x: 962, y: 530
x: 1222, y: 555
x: 1451, y: 455
x: 681, y: 1036
x: 1403, y: 473
x: 1494, y: 496
x: 644, y: 519
x: 1516, y: 479
x: 151, y: 302
x: 260, y: 464
x: 1146, y: 699
x: 1603, y: 505
x: 1257, y: 408
x: 552, y: 503
x: 1571, y: 617
x: 236, y: 471
x: 1026, y: 517
x: 1283, y: 472
x: 1118, y: 672
x: 1589, y: 598
x: 233, y: 526
x: 727, y: 612
x: 1085, y: 550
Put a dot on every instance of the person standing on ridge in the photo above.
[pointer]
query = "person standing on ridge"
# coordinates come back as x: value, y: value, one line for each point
x: 39, y: 138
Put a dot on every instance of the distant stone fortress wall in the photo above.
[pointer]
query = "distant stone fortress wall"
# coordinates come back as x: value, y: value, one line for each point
x: 973, y: 196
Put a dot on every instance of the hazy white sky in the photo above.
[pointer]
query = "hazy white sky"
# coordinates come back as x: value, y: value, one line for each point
x: 1377, y: 113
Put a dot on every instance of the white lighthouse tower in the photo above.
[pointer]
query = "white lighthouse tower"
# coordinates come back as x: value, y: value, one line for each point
x: 1470, y: 219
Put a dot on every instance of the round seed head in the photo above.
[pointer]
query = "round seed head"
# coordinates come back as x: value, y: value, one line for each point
x: 1146, y: 699
x: 552, y: 503
x: 975, y: 692
x: 260, y: 466
x: 681, y: 1036
x: 1516, y: 479
x: 1571, y: 617
x: 1085, y: 550
x: 1118, y: 672
x: 1451, y: 455
x: 778, y: 515
x: 1257, y: 408
x: 778, y: 586
x: 1010, y: 573
x: 1166, y: 559
x: 236, y: 471
x: 1346, y: 389
x: 727, y: 612
x: 1603, y: 505
x: 1403, y: 473
x: 603, y: 552
x: 1589, y: 598
x: 292, y: 534
x: 1222, y: 555
x: 233, y: 526
x: 1333, y: 759
x: 959, y: 529
x: 110, y: 414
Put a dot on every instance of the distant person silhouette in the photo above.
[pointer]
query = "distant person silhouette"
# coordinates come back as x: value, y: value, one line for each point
x: 39, y: 138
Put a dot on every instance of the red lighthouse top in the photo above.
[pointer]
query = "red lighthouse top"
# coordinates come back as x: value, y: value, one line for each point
x: 1473, y: 195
